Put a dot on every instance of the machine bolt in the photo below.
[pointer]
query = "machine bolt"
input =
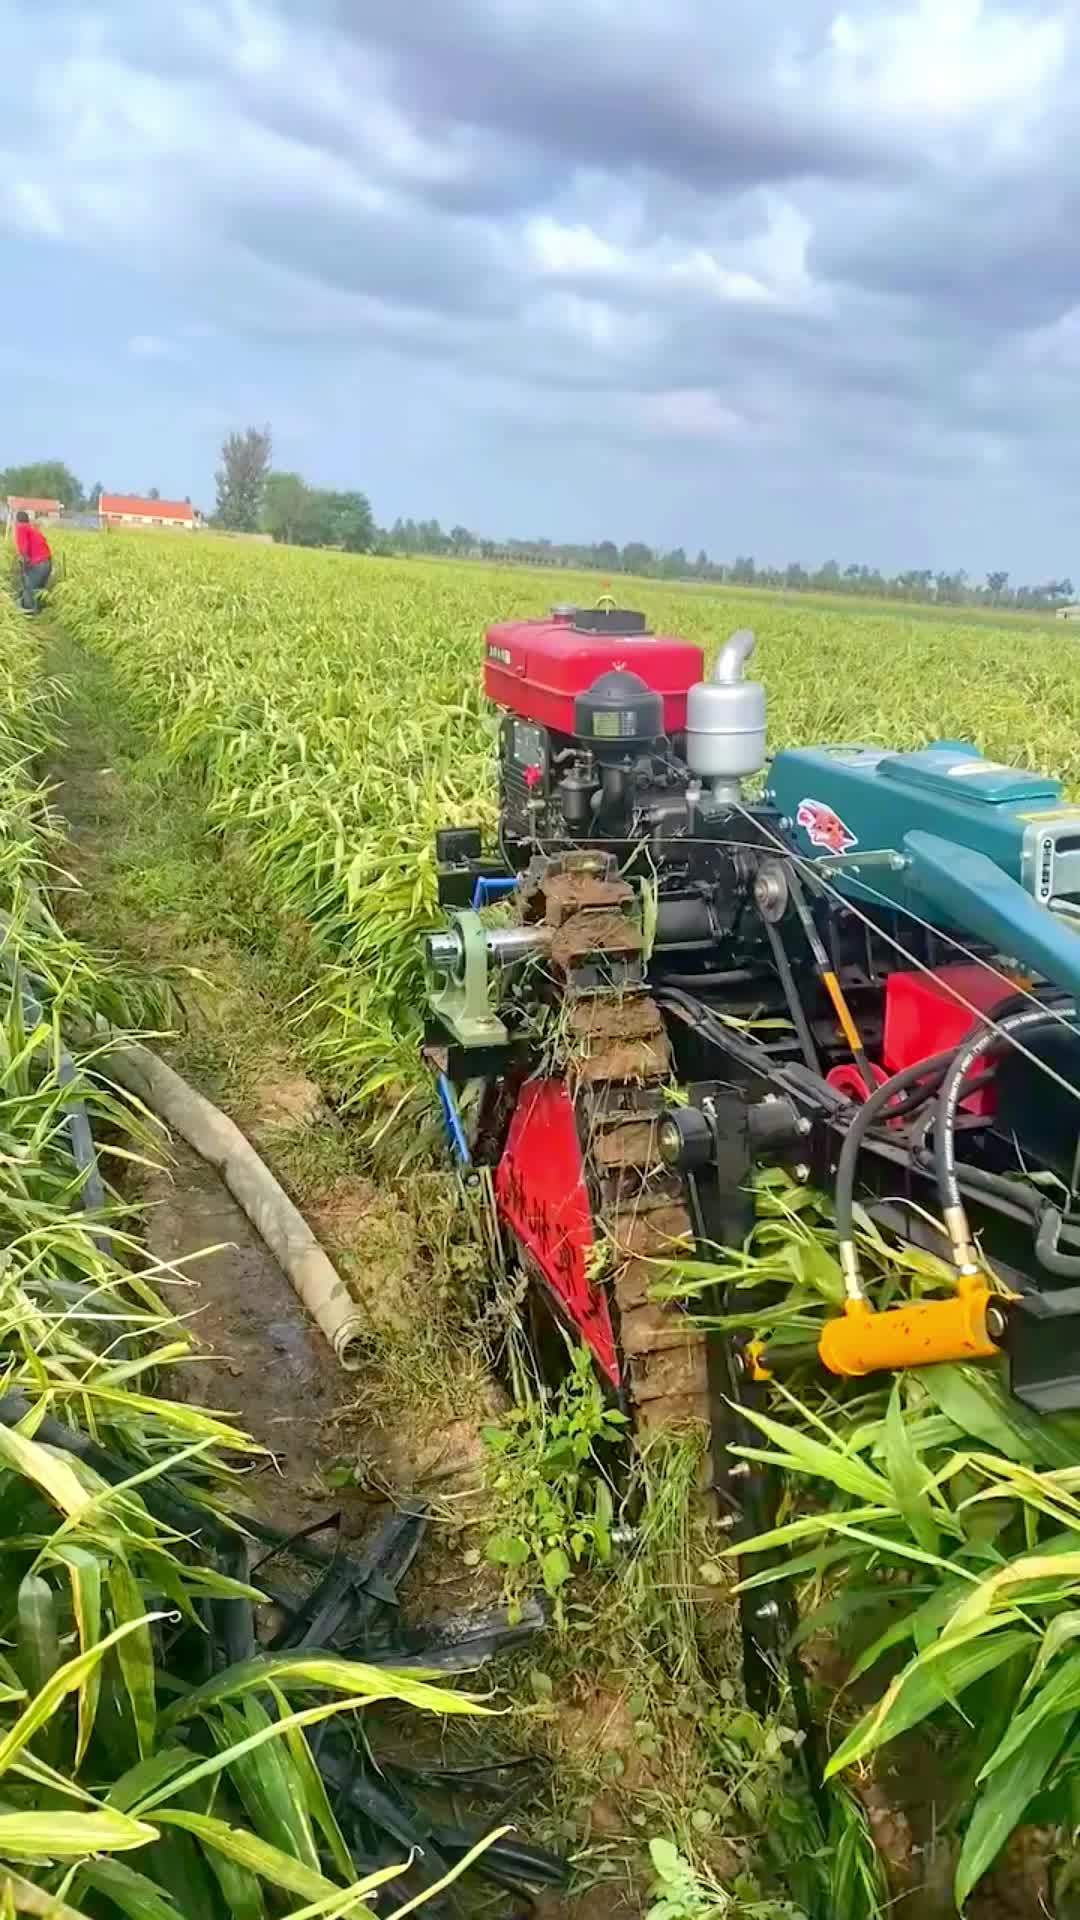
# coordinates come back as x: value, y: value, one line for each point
x: 995, y: 1322
x: 801, y: 1172
x: 785, y: 823
x: 803, y: 1126
x: 741, y: 1470
x: 898, y: 863
x: 768, y: 1610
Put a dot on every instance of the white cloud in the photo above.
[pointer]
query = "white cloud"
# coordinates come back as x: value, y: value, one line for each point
x: 152, y: 346
x: 946, y: 59
x: 33, y: 209
x: 565, y: 251
x: 690, y: 413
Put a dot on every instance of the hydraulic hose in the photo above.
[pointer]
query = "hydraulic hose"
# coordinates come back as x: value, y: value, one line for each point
x: 1051, y: 1227
x: 967, y: 1055
x: 864, y: 1118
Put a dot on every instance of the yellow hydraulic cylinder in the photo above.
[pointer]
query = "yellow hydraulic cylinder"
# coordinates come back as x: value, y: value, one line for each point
x: 861, y: 1341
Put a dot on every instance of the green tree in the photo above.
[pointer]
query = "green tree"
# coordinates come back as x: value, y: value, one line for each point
x: 93, y: 498
x: 345, y: 520
x: 241, y: 478
x: 636, y: 557
x: 461, y: 540
x: 287, y: 509
x: 42, y: 480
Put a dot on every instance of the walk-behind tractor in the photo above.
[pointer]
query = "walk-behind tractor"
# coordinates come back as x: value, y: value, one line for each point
x: 863, y: 973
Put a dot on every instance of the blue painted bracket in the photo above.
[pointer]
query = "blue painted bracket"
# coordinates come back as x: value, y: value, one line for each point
x: 488, y: 889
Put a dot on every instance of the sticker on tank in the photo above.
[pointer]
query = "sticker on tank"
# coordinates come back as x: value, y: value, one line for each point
x: 824, y: 828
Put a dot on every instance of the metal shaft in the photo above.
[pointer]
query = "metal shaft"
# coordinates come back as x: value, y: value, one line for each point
x: 504, y: 945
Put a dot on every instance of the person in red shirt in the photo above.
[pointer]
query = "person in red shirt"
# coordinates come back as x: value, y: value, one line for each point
x: 36, y: 557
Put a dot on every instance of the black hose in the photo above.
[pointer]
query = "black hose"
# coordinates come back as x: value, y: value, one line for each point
x: 951, y: 1092
x: 997, y: 1184
x: 1065, y: 1265
x: 912, y: 1102
x: 864, y: 1118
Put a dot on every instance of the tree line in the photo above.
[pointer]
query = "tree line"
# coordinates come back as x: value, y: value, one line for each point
x: 606, y: 556
x: 255, y: 497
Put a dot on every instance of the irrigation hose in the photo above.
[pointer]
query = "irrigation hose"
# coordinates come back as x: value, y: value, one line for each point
x: 218, y: 1141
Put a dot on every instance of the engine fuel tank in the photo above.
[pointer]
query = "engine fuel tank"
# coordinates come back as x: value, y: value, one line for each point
x: 537, y: 668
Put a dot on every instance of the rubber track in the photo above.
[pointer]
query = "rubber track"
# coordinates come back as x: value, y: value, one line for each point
x: 617, y: 1057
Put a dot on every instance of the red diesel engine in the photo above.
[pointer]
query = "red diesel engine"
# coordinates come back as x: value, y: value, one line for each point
x: 582, y: 690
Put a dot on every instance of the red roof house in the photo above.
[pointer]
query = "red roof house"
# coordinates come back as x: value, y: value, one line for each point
x: 127, y: 510
x: 37, y: 509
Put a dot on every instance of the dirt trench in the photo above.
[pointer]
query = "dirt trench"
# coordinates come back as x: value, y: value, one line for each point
x: 261, y: 1360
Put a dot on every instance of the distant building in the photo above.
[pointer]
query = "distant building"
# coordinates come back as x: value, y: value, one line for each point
x: 127, y: 510
x: 37, y: 509
x: 1068, y: 613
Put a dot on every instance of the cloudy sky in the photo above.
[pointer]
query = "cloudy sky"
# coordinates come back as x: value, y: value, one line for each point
x: 787, y: 277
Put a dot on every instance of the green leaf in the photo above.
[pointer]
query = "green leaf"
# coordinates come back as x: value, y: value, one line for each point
x: 1063, y: 1628
x: 1028, y: 1571
x: 907, y: 1476
x: 247, y: 1850
x: 925, y: 1684
x: 31, y: 1899
x: 48, y: 1470
x: 38, y: 1647
x: 140, y: 1781
x: 241, y: 1889
x: 84, y: 1570
x: 270, y: 1770
x: 311, y: 1782
x: 67, y: 1836
x: 1058, y: 1695
x: 507, y: 1550
x: 310, y: 1671
x: 1002, y: 1803
x: 67, y: 1679
x: 135, y: 1653
x: 555, y: 1568
x: 132, y: 1892
x: 802, y: 1454
x: 228, y: 1756
x: 976, y: 1400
